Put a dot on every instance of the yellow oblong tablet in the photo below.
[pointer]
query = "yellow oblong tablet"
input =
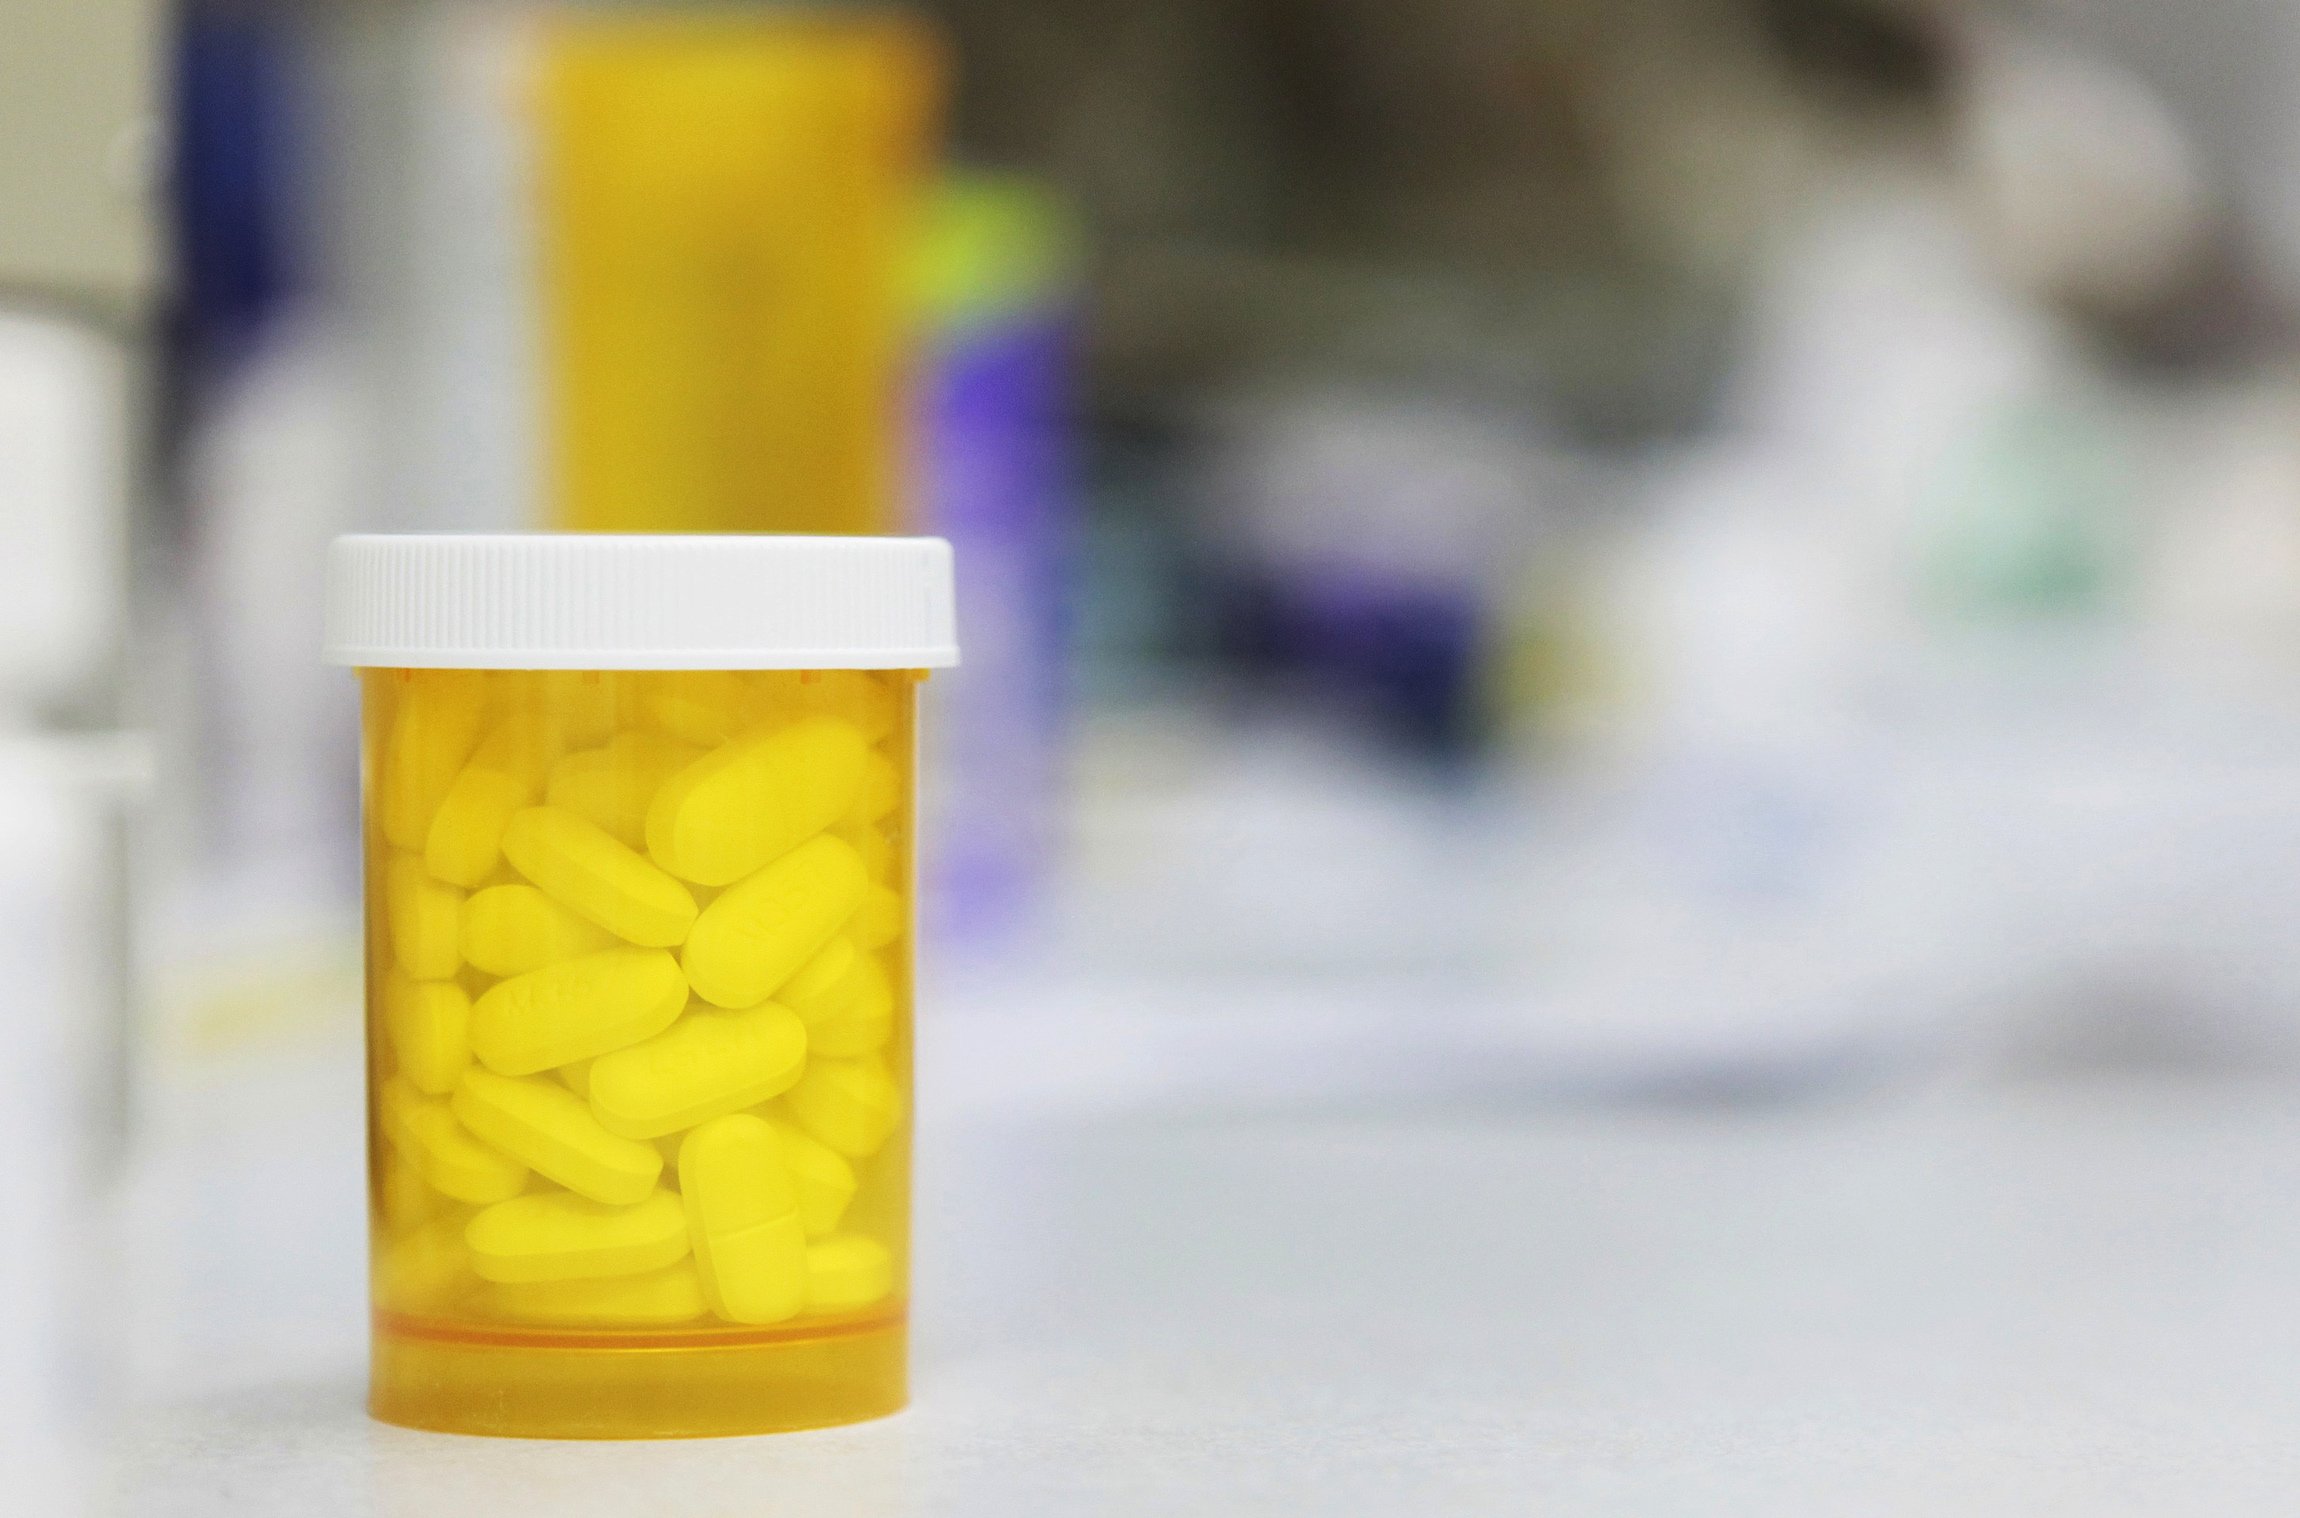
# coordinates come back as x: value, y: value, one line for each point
x: 511, y: 929
x: 825, y: 983
x: 865, y: 698
x: 743, y: 1220
x: 576, y: 1009
x: 584, y: 703
x: 424, y: 918
x: 862, y: 1021
x: 558, y: 1236
x: 581, y: 866
x: 505, y: 773
x: 825, y: 1180
x: 763, y: 930
x: 426, y: 1269
x: 703, y: 1065
x: 852, y: 1105
x: 435, y: 723
x: 549, y: 1127
x: 701, y: 706
x: 880, y: 918
x: 755, y: 799
x: 872, y: 846
x: 428, y: 1023
x: 845, y: 998
x: 878, y: 793
x: 657, y: 1299
x: 613, y: 785
x: 429, y: 1138
x: 403, y: 1197
x: 846, y: 1271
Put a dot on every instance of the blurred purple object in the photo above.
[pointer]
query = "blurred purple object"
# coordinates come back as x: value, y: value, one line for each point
x: 997, y: 436
x: 1400, y: 655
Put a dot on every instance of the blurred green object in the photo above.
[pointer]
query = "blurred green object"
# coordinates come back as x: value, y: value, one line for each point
x: 2034, y: 519
x: 993, y: 244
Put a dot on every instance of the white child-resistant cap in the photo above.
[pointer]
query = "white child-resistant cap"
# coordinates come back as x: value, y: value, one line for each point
x: 639, y: 601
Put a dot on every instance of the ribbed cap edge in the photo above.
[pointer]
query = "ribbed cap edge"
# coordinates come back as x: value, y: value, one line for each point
x: 629, y: 601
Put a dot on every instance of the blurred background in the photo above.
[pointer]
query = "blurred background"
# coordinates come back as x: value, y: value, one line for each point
x: 1550, y: 553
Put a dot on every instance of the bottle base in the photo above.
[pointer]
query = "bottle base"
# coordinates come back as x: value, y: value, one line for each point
x: 531, y: 1384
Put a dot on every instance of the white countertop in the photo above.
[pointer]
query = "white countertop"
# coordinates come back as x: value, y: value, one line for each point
x: 2013, y: 1298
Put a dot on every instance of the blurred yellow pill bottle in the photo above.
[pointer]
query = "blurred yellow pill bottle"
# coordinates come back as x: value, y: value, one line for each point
x: 727, y: 204
x: 639, y: 872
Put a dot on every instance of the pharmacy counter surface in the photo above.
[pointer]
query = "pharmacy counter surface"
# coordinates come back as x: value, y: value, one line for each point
x: 2011, y: 1298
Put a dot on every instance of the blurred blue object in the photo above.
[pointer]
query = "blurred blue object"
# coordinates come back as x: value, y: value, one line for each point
x: 1402, y: 657
x: 233, y: 185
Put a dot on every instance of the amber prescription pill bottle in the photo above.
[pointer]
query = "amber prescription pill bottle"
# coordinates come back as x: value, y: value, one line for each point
x: 638, y: 834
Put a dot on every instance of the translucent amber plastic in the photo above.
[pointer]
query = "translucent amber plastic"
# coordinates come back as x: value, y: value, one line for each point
x: 639, y: 1041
